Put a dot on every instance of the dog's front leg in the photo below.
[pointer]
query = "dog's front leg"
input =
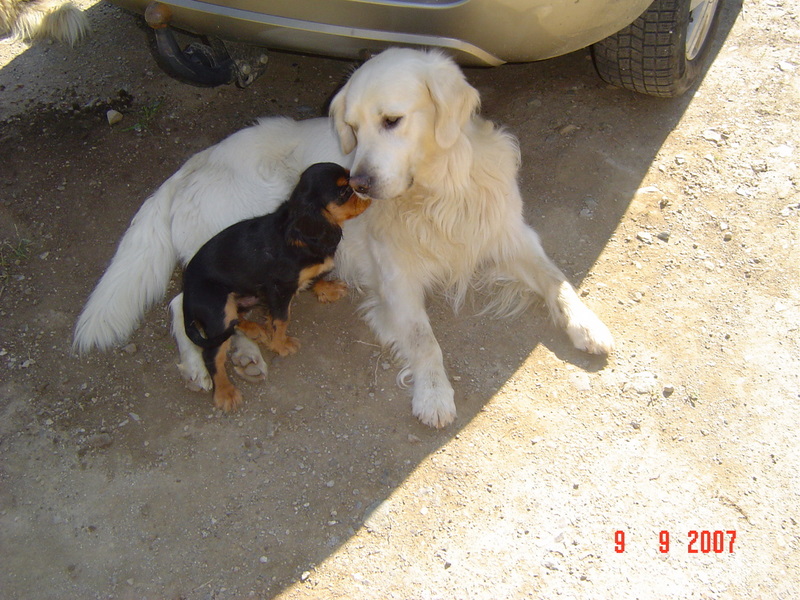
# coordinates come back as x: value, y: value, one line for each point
x: 530, y: 265
x: 398, y: 317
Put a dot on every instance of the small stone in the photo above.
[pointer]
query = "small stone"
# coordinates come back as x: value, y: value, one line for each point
x: 727, y: 236
x: 668, y: 390
x: 99, y: 441
x: 413, y: 439
x: 642, y: 383
x: 263, y: 560
x: 636, y: 425
x: 663, y: 236
x: 644, y: 237
x: 712, y: 135
x: 551, y: 565
x: 567, y: 129
x: 648, y: 189
x: 130, y: 349
x: 305, y: 575
x: 113, y: 117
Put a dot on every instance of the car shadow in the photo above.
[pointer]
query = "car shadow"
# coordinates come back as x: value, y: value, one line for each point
x: 159, y: 496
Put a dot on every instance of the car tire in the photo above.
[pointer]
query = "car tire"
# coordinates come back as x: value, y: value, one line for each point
x: 663, y: 52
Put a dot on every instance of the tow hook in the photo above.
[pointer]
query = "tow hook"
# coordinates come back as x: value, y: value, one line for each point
x: 199, y: 64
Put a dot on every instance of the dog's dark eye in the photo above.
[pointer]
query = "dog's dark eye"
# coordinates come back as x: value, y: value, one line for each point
x: 391, y: 122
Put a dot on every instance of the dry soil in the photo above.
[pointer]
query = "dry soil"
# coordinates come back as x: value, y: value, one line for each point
x: 677, y: 220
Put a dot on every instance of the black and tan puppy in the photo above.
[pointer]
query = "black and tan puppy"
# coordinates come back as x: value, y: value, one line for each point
x: 264, y: 262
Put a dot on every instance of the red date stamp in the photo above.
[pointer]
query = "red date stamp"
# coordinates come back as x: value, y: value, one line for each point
x: 699, y: 542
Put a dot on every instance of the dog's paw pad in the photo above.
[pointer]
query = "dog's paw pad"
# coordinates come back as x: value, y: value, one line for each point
x: 248, y: 366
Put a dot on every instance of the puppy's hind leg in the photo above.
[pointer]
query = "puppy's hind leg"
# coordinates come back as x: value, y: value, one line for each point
x: 527, y: 262
x: 226, y: 397
x: 191, y: 366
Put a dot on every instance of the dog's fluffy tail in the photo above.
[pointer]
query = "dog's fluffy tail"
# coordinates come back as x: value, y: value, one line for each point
x: 136, y: 278
x: 59, y: 20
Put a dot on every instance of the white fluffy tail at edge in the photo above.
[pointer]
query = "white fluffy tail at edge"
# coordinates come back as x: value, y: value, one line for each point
x: 44, y: 19
x: 136, y: 278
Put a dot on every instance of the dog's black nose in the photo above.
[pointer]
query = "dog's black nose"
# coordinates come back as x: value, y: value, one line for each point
x: 361, y: 184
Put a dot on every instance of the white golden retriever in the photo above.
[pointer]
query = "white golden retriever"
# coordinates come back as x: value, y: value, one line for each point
x: 446, y: 215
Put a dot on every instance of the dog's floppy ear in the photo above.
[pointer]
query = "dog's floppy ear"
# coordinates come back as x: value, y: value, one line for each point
x: 347, y: 138
x: 312, y: 230
x: 455, y: 100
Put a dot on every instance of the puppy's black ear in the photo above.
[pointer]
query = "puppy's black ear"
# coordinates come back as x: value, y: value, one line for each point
x: 314, y: 232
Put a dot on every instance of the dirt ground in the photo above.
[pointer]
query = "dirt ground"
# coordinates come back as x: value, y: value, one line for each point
x: 678, y: 221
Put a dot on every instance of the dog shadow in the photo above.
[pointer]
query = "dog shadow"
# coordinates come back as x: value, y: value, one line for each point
x: 168, y: 498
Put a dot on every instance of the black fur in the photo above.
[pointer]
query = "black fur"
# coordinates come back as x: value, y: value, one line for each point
x: 260, y: 260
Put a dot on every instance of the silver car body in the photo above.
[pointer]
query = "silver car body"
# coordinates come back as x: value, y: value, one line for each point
x: 474, y: 32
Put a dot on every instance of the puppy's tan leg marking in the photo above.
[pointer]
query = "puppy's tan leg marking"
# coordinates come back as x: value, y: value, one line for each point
x: 255, y: 331
x: 308, y: 274
x: 281, y: 343
x: 226, y: 397
x: 329, y: 291
x: 273, y: 336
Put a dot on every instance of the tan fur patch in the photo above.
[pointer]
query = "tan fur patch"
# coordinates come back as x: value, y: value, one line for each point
x: 281, y: 343
x: 329, y: 291
x: 339, y: 213
x: 308, y: 274
x: 226, y: 397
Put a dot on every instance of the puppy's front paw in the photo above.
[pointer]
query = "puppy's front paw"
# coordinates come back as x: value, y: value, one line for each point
x: 227, y: 399
x: 285, y: 346
x: 433, y: 403
x: 329, y: 291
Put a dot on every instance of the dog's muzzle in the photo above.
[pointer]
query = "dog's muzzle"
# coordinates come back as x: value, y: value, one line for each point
x: 361, y: 184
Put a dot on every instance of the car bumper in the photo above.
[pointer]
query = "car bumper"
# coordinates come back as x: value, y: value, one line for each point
x: 475, y: 32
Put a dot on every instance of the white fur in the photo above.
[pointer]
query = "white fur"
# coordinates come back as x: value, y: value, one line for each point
x: 446, y: 215
x: 59, y: 20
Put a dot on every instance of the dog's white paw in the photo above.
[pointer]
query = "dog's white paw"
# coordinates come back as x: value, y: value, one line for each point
x: 433, y: 403
x: 589, y: 333
x: 195, y: 376
x: 247, y: 360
